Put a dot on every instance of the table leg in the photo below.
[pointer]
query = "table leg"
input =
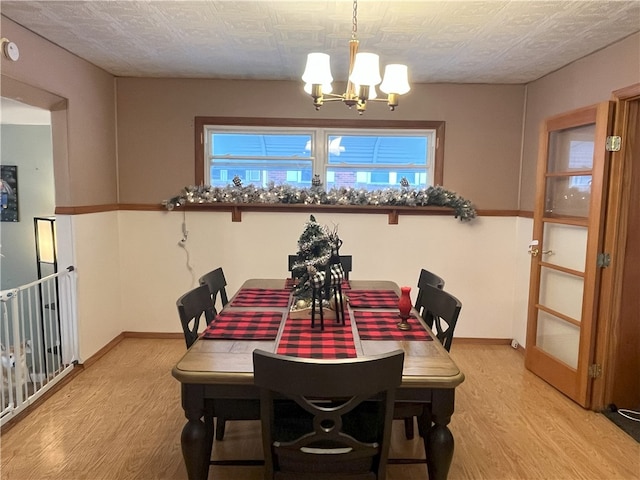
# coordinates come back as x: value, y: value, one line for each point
x: 438, y: 441
x: 197, y: 437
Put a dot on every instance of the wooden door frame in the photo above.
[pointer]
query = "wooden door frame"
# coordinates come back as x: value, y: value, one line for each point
x: 616, y: 223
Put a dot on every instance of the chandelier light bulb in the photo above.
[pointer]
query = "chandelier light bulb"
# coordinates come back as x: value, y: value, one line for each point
x: 366, y: 70
x: 395, y: 79
x: 318, y: 69
x: 371, y: 93
x: 326, y: 88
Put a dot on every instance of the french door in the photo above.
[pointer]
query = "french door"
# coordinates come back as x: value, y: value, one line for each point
x: 566, y: 248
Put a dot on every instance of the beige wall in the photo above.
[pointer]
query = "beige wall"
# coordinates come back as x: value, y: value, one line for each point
x: 89, y: 176
x: 156, y: 139
x: 585, y: 82
x: 82, y: 98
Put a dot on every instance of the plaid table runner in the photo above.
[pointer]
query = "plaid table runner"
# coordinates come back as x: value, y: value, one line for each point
x: 244, y: 326
x: 300, y: 340
x: 383, y: 326
x: 373, y: 299
x: 288, y: 284
x: 261, y: 297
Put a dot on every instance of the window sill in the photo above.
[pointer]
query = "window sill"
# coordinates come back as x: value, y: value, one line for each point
x: 392, y: 212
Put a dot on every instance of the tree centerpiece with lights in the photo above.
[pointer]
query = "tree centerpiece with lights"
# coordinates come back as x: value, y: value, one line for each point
x: 317, y: 248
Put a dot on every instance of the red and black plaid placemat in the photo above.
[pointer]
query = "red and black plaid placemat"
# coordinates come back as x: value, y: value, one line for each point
x: 261, y: 297
x: 373, y: 299
x: 232, y: 325
x: 289, y: 284
x: 300, y: 340
x: 384, y: 326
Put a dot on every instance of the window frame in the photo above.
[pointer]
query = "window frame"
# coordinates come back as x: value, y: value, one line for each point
x: 326, y: 124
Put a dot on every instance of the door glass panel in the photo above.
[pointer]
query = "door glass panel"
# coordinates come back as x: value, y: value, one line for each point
x: 571, y: 149
x: 561, y: 292
x: 558, y: 338
x: 568, y: 195
x: 568, y: 244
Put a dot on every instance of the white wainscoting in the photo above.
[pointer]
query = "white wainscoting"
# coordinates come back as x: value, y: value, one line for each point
x: 131, y: 268
x: 481, y: 261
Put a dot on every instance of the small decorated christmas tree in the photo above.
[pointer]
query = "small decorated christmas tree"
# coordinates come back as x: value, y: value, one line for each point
x: 314, y: 252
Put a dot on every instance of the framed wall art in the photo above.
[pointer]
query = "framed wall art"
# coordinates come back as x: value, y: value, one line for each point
x: 9, y: 193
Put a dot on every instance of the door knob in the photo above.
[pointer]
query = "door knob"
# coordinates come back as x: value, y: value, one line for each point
x: 534, y: 252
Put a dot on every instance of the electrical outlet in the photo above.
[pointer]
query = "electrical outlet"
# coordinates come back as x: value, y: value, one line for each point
x: 515, y: 344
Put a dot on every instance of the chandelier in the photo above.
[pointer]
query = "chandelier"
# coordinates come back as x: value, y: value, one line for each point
x: 364, y: 75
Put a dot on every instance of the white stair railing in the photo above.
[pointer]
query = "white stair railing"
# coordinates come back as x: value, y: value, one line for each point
x: 38, y: 337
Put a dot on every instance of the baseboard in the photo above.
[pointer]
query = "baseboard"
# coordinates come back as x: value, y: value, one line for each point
x: 103, y: 351
x: 490, y: 341
x: 482, y: 341
x: 156, y: 335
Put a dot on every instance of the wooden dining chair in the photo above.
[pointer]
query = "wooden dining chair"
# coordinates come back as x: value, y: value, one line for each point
x: 193, y: 307
x: 440, y: 310
x: 405, y: 410
x: 217, y: 288
x: 429, y: 278
x: 341, y: 424
x: 345, y: 260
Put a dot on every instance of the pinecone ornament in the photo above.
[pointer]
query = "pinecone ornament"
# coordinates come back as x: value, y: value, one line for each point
x: 404, y: 182
x: 237, y: 181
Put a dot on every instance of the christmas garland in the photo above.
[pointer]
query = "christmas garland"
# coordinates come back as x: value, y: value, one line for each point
x: 316, y: 195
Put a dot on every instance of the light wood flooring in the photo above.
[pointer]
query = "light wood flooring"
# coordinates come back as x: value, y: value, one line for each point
x: 121, y: 419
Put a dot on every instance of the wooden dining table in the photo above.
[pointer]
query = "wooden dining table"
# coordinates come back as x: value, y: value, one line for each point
x: 220, y: 366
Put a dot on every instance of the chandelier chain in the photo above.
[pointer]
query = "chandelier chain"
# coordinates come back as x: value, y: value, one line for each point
x: 354, y: 28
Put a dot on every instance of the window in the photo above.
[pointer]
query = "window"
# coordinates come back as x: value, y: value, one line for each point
x: 378, y: 159
x: 257, y: 156
x: 358, y: 154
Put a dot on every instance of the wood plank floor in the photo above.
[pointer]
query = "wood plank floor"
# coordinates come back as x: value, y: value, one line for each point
x: 121, y: 419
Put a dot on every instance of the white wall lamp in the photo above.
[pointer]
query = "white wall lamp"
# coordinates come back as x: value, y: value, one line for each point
x: 364, y: 75
x: 10, y: 49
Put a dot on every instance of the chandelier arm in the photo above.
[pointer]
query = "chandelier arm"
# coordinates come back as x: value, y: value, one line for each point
x: 333, y: 97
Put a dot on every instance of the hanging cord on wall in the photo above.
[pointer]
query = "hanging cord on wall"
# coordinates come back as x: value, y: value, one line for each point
x: 183, y: 244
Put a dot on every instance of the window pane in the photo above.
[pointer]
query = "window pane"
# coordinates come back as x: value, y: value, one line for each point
x: 260, y: 158
x: 377, y: 150
x: 260, y: 145
x: 260, y: 173
x: 374, y: 179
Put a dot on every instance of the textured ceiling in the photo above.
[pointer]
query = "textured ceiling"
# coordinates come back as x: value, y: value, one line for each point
x: 440, y: 41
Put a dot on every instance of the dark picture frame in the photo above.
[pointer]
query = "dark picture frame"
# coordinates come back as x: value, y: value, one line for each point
x: 9, y: 193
